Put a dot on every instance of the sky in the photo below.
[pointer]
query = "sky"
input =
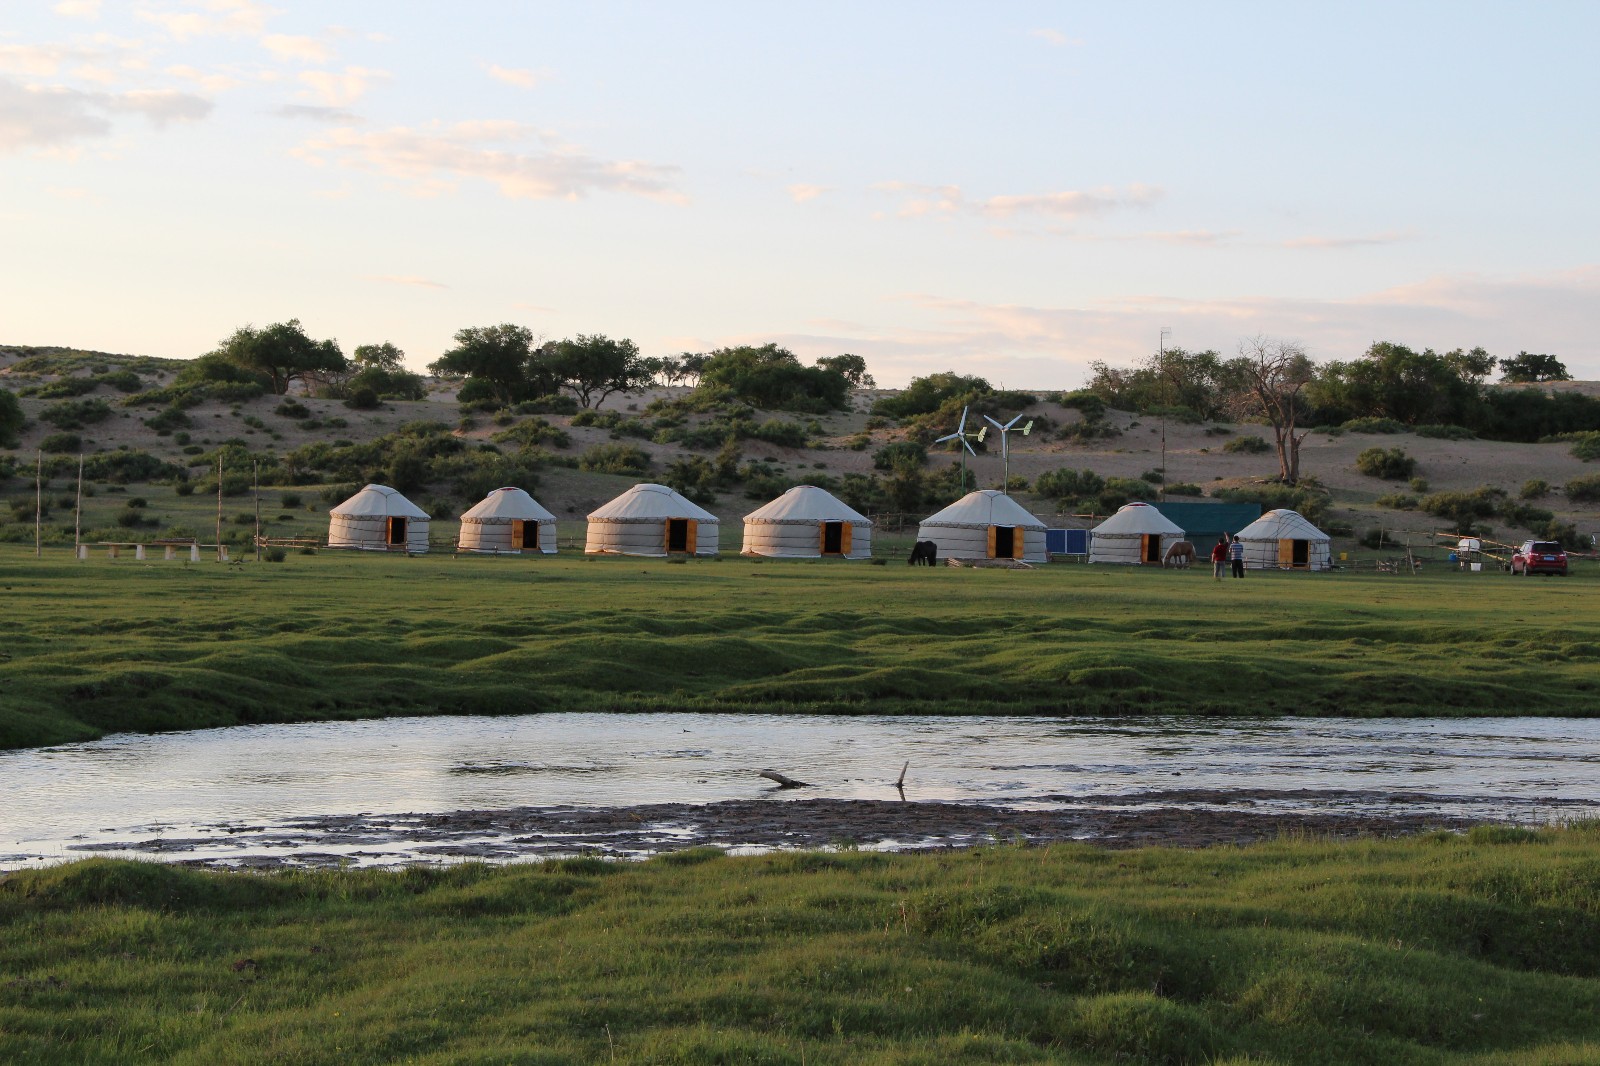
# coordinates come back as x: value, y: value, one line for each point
x: 1014, y: 190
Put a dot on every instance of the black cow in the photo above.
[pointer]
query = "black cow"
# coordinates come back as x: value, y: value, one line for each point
x: 925, y: 552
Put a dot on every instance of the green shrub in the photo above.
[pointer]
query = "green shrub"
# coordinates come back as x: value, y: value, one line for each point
x: 274, y: 555
x: 1016, y: 483
x: 1583, y: 489
x: 1184, y: 488
x: 1418, y: 485
x: 1250, y: 444
x: 184, y: 488
x: 900, y: 454
x: 1309, y: 499
x: 289, y: 501
x: 1536, y: 488
x: 786, y: 434
x: 625, y: 459
x: 1069, y: 484
x: 1586, y: 446
x: 1399, y: 501
x: 533, y: 433
x: 1391, y: 464
x: 292, y: 409
x: 1438, y: 432
x: 61, y: 443
x: 1464, y: 508
x: 1373, y: 425
x: 548, y: 405
x: 75, y: 414
x: 1372, y: 538
x: 1155, y: 477
x: 362, y: 399
x: 169, y: 418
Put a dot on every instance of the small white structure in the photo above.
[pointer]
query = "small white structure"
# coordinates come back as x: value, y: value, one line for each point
x: 1284, y: 540
x: 1137, y: 534
x: 986, y: 524
x: 378, y: 519
x: 807, y: 523
x: 508, y: 521
x: 651, y: 520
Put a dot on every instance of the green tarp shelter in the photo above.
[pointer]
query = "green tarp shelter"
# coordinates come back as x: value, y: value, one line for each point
x: 1204, y: 523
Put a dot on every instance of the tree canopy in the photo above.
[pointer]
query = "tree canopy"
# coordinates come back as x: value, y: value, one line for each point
x: 1526, y: 366
x: 773, y: 378
x: 499, y: 360
x: 282, y: 353
x: 11, y: 419
x: 593, y: 366
x: 383, y: 356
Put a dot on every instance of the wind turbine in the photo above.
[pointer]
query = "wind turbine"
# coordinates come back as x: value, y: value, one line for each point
x: 961, y: 435
x: 1005, y: 449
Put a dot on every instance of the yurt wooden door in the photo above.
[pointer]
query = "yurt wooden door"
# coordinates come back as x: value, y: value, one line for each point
x: 681, y: 535
x: 1150, y: 548
x: 1295, y: 554
x: 524, y: 534
x: 395, y: 533
x: 835, y: 538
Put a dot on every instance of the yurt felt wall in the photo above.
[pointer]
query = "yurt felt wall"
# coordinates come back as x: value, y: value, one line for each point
x: 652, y: 520
x: 508, y: 521
x: 807, y: 523
x: 986, y: 524
x: 1137, y: 534
x: 1284, y: 540
x: 378, y: 518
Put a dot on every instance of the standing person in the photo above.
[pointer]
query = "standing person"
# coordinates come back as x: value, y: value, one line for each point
x: 1219, y: 556
x: 1236, y: 553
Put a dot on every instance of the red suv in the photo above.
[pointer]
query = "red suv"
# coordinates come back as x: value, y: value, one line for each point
x: 1539, y: 557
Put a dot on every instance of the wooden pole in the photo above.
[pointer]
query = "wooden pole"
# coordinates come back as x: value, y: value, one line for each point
x: 256, y: 488
x: 77, y: 513
x: 219, y: 507
x: 38, y: 503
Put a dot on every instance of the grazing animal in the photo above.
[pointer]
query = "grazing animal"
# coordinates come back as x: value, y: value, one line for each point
x: 1179, y: 556
x: 925, y: 552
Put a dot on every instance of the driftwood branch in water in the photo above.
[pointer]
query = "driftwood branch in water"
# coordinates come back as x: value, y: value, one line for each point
x: 901, y: 784
x: 782, y: 780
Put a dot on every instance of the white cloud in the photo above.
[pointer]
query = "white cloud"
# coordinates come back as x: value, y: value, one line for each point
x: 1391, y: 237
x: 520, y: 77
x: 296, y: 49
x: 521, y: 162
x: 943, y: 201
x: 341, y: 89
x: 333, y: 115
x: 211, y: 83
x: 802, y: 193
x: 78, y: 9
x: 1054, y: 38
x: 55, y: 117
x: 407, y: 279
x: 213, y: 18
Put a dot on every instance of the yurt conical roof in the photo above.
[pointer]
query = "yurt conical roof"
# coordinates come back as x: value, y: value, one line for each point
x: 1138, y: 518
x: 807, y: 503
x: 378, y: 501
x: 982, y: 509
x: 508, y: 503
x: 647, y: 503
x: 1281, y: 524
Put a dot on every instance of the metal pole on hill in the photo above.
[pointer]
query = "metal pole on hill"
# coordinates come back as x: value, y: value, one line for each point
x: 1161, y: 490
x: 38, y: 502
x: 255, y: 477
x: 77, y: 513
x: 219, y: 506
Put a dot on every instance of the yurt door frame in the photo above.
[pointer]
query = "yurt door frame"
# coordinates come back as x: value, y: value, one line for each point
x: 524, y: 534
x: 835, y: 537
x: 680, y: 534
x: 1003, y: 542
x: 1150, y: 548
x: 395, y: 531
x: 1295, y: 554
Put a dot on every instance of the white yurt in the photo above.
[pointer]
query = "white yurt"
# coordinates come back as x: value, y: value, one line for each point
x: 652, y: 520
x: 986, y: 524
x: 1284, y: 540
x: 508, y: 521
x: 807, y: 523
x: 378, y: 519
x: 1136, y: 534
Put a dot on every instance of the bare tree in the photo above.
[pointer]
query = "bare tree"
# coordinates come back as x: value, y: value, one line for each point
x: 1274, y: 373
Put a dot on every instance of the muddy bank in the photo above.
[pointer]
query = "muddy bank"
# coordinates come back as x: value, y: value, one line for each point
x: 1182, y: 819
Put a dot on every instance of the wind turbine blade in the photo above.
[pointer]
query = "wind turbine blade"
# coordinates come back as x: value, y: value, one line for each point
x: 941, y: 440
x: 1013, y: 422
x: 992, y: 422
x: 962, y: 425
x: 968, y: 446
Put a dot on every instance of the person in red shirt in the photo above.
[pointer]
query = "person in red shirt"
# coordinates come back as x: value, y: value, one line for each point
x: 1219, y: 556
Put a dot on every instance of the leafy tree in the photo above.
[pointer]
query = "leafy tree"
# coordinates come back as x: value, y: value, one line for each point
x: 11, y: 419
x: 852, y: 368
x: 499, y: 361
x: 901, y: 453
x: 1069, y: 484
x: 1526, y: 366
x: 594, y: 366
x: 383, y: 356
x: 1393, y: 381
x: 771, y: 377
x: 1275, y: 372
x: 926, y: 395
x: 282, y: 353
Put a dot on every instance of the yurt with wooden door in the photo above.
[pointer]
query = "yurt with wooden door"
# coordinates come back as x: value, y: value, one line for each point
x: 379, y: 519
x: 508, y: 522
x: 651, y: 520
x: 1284, y: 540
x: 807, y: 523
x: 986, y: 524
x: 1137, y: 534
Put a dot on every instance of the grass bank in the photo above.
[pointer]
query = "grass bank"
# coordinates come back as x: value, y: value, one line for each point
x: 110, y: 646
x: 1481, y: 949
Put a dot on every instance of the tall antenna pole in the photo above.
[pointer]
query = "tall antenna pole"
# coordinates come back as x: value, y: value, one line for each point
x: 1161, y: 490
x: 219, y: 506
x: 77, y: 513
x: 38, y: 503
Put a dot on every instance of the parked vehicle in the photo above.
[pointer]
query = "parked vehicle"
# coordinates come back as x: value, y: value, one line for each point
x: 1539, y: 557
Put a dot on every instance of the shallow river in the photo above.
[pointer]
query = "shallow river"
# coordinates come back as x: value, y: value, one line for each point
x: 223, y: 794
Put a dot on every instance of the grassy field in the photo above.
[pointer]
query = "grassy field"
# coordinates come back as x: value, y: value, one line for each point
x: 111, y: 646
x: 1480, y: 949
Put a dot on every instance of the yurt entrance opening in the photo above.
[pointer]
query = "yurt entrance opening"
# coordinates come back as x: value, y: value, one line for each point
x: 680, y: 535
x: 1295, y: 554
x: 834, y: 539
x: 1150, y: 548
x: 1002, y: 542
x: 524, y: 534
x: 397, y: 530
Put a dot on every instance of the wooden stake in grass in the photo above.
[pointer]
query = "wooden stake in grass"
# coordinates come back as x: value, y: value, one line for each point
x: 219, y: 505
x: 255, y: 487
x: 38, y: 503
x: 77, y: 513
